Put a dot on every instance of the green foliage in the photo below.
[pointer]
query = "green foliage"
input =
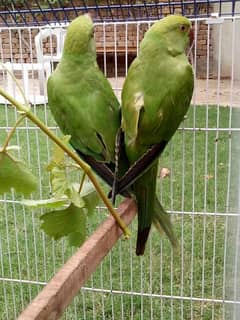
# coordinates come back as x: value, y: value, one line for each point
x: 90, y: 197
x: 74, y: 202
x: 70, y: 221
x: 70, y: 202
x: 48, y: 203
x: 58, y: 224
x: 15, y: 174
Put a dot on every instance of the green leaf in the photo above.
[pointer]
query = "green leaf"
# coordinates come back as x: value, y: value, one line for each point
x: 59, y: 181
x: 15, y: 174
x: 76, y: 198
x: 58, y: 157
x: 75, y: 239
x: 47, y: 203
x: 57, y: 168
x: 58, y: 224
x: 90, y: 197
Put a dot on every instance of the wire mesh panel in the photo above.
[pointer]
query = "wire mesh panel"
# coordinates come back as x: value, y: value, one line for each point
x: 198, y: 176
x: 38, y: 12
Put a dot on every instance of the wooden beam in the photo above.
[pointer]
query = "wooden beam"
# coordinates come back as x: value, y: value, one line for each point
x: 52, y: 301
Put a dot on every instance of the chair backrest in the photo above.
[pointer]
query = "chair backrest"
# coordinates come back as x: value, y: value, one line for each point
x: 50, y: 32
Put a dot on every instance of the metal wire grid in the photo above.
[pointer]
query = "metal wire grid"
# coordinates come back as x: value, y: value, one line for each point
x: 61, y: 11
x: 126, y: 287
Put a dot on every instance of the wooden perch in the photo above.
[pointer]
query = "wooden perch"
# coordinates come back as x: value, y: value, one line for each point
x: 52, y: 301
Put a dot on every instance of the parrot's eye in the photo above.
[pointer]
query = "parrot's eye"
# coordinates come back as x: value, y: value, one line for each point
x: 183, y: 28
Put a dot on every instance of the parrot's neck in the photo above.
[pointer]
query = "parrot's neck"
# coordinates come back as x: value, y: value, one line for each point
x: 155, y: 46
x: 176, y: 46
x: 80, y: 59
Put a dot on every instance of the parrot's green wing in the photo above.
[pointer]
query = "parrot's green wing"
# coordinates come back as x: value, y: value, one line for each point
x: 155, y: 102
x: 84, y: 106
x: 156, y: 95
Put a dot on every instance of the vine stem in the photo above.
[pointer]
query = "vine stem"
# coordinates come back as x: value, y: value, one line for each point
x: 86, y: 168
x: 82, y: 181
x: 15, y: 80
x: 12, y: 132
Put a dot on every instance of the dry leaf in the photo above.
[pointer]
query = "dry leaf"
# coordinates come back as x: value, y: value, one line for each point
x: 208, y: 176
x: 164, y: 172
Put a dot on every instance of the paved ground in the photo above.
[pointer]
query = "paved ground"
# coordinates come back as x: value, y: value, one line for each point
x: 224, y: 93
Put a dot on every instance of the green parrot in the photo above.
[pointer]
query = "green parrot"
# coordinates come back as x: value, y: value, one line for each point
x: 82, y: 100
x: 155, y: 98
x: 84, y: 106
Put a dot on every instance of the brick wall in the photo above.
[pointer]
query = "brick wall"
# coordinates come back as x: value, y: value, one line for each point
x: 17, y: 45
x: 204, y: 49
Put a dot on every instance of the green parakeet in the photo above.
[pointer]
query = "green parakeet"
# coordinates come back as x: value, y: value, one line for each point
x: 80, y: 97
x: 156, y: 95
x: 84, y: 106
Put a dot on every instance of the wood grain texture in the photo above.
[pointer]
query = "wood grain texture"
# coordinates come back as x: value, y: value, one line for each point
x: 52, y: 301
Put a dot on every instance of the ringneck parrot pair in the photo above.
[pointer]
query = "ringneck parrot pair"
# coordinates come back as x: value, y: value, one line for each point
x: 155, y: 97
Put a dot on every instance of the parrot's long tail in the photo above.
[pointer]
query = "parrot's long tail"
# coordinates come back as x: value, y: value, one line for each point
x: 144, y: 189
x: 142, y: 237
x: 160, y: 218
x: 150, y: 210
x: 162, y: 222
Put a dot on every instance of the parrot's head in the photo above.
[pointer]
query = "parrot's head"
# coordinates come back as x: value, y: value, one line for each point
x: 172, y: 33
x: 80, y: 36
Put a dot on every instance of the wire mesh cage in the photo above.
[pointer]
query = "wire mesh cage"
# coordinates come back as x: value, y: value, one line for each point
x: 198, y: 179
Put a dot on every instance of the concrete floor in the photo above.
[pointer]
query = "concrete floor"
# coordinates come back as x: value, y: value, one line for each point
x: 224, y: 93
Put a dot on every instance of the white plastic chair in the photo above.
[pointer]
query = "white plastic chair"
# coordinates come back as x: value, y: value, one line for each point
x: 49, y: 31
x: 59, y: 34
